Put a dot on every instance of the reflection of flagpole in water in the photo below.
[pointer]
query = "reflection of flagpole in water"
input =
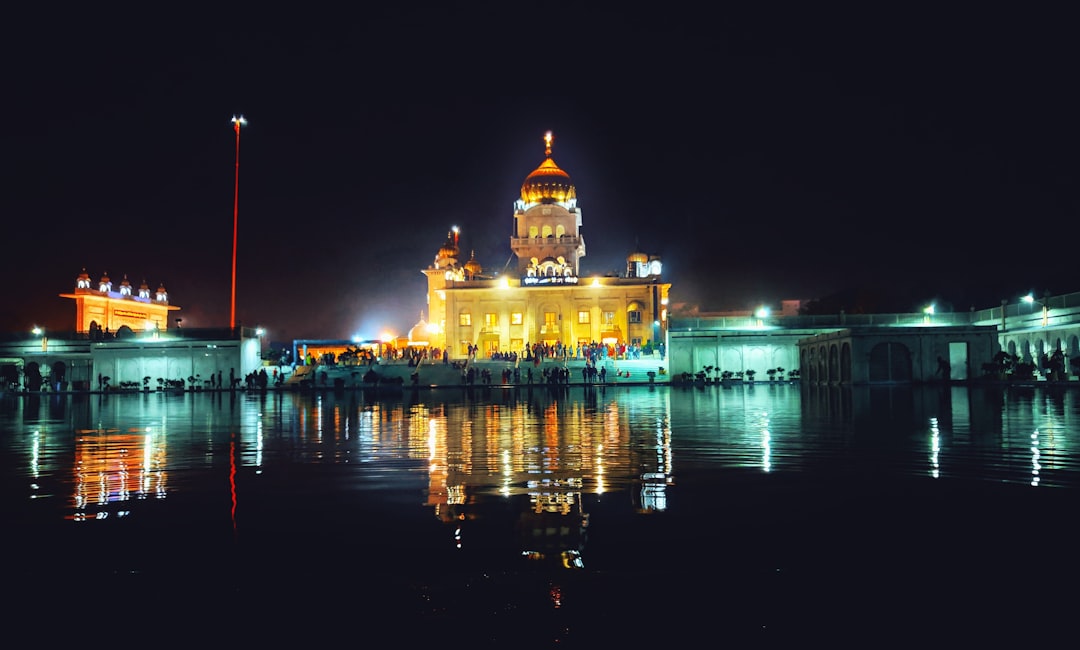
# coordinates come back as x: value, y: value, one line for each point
x: 232, y: 478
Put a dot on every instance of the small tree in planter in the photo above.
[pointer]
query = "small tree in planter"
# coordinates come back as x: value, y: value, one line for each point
x: 750, y: 375
x: 771, y: 372
x: 780, y: 373
x: 145, y: 384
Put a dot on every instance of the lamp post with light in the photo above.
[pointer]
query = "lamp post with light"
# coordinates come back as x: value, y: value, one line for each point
x: 237, y: 122
x: 260, y: 332
x: 1030, y: 299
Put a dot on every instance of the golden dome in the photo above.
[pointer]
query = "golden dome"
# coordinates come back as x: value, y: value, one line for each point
x: 638, y: 256
x: 450, y: 248
x: 547, y: 183
x: 472, y: 266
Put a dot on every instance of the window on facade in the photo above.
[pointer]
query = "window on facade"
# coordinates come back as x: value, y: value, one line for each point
x: 491, y: 319
x: 609, y: 318
x: 515, y: 318
x: 465, y: 319
x: 633, y: 316
x: 534, y: 231
x: 549, y: 319
x: 583, y: 317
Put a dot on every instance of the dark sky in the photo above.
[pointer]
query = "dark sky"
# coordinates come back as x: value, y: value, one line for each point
x: 782, y: 155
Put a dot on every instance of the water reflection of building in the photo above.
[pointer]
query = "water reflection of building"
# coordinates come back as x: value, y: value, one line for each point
x: 545, y: 454
x: 554, y: 530
x: 655, y: 483
x: 113, y: 467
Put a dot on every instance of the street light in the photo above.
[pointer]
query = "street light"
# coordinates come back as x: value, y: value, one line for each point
x: 40, y: 331
x: 237, y: 123
x: 1030, y: 299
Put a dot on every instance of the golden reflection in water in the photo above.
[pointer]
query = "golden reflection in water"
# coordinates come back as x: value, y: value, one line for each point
x: 548, y: 452
x: 113, y: 467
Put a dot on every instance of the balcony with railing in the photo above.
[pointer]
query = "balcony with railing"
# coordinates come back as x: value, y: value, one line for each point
x: 543, y: 242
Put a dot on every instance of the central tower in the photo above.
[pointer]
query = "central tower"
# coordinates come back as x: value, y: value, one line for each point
x: 547, y: 236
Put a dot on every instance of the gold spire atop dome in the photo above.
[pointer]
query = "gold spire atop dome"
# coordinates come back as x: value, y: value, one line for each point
x: 547, y: 183
x: 473, y: 266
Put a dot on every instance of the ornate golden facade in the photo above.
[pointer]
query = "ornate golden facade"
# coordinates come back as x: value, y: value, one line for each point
x: 545, y: 299
x: 101, y: 308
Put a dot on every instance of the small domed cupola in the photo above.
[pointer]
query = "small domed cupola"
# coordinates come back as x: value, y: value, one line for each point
x: 144, y: 290
x: 162, y: 294
x: 547, y: 183
x: 419, y: 332
x: 448, y: 254
x: 472, y: 266
x: 83, y: 281
x: 105, y: 284
x: 125, y: 287
x: 638, y: 265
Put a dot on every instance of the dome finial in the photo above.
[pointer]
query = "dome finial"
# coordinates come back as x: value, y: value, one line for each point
x: 547, y: 143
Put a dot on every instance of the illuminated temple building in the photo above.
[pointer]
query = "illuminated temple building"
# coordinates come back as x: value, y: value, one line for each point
x: 545, y: 299
x: 102, y: 309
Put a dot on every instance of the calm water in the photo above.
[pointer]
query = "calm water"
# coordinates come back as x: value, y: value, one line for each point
x: 627, y: 516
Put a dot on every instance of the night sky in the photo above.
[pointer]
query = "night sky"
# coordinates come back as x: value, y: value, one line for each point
x: 784, y: 155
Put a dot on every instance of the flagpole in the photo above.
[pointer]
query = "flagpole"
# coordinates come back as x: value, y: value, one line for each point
x: 237, y: 123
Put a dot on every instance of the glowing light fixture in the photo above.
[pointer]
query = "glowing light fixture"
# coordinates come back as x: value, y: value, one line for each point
x: 1030, y: 299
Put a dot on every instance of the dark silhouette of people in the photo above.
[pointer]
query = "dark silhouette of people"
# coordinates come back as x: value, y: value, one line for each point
x: 943, y: 369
